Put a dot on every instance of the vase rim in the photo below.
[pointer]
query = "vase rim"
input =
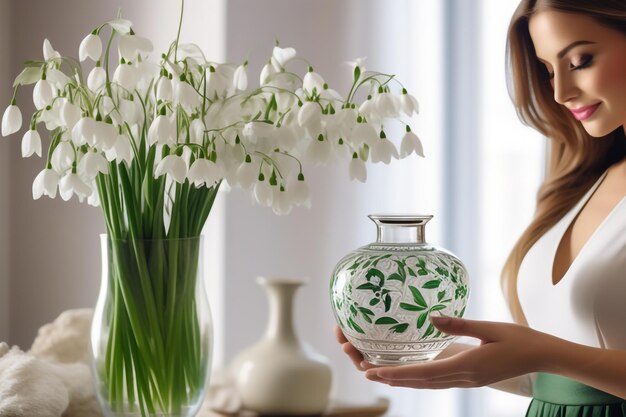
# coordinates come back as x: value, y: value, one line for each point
x: 400, y: 219
x: 269, y: 280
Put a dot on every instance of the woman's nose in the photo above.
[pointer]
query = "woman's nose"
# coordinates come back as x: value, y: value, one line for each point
x: 564, y: 88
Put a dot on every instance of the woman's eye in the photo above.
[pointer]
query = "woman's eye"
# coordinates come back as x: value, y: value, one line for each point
x: 583, y: 62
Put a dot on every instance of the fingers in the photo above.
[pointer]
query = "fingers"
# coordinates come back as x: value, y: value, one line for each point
x: 426, y: 384
x: 341, y: 338
x: 484, y: 330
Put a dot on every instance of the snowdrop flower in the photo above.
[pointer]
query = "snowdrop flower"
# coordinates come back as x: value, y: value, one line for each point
x: 90, y: 47
x: 267, y: 71
x: 43, y: 93
x: 11, y: 120
x: 120, y: 151
x: 174, y: 166
x: 357, y: 63
x: 310, y: 115
x: 121, y: 25
x: 196, y: 131
x: 383, y: 150
x: 385, y: 105
x: 51, y: 116
x: 133, y: 47
x: 319, y: 151
x: 186, y: 96
x: 313, y: 81
x: 91, y: 164
x: 71, y: 184
x: 94, y: 198
x: 367, y: 109
x: 357, y: 169
x: 164, y: 91
x: 410, y: 143
x: 281, y: 201
x: 216, y: 84
x: 240, y: 78
x: 408, y: 103
x: 246, y: 174
x: 46, y: 183
x: 62, y: 157
x: 263, y: 193
x: 363, y: 133
x: 31, y: 144
x: 126, y: 75
x: 49, y: 52
x: 70, y: 113
x: 203, y: 171
x: 96, y: 79
x: 58, y: 79
x: 280, y: 57
x: 162, y: 130
x: 300, y: 193
x: 83, y: 131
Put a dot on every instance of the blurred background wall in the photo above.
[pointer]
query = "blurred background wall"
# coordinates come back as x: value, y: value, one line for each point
x: 479, y: 176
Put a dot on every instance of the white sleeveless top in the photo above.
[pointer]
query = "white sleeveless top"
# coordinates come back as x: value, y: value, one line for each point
x: 588, y: 305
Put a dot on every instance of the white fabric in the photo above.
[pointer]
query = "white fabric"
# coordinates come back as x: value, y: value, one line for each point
x: 588, y: 305
x: 53, y: 379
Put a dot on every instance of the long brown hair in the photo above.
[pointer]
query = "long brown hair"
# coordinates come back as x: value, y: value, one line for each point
x: 576, y: 160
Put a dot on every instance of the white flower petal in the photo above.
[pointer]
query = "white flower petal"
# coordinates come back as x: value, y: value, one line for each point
x: 283, y: 55
x: 357, y: 169
x: 96, y: 79
x: 11, y: 120
x: 174, y: 166
x: 45, y: 183
x: 121, y: 25
x: 240, y: 78
x: 31, y: 144
x: 90, y: 47
x: 71, y: 184
x: 43, y: 93
x: 48, y: 51
x: 164, y: 91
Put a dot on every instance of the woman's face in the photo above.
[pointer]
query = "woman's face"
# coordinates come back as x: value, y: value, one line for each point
x: 587, y: 65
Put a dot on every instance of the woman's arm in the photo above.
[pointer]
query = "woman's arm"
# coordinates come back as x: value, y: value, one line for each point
x: 507, y: 351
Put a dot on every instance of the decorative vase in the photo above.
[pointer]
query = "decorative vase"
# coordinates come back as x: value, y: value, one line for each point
x: 151, y: 335
x: 280, y: 375
x: 383, y: 293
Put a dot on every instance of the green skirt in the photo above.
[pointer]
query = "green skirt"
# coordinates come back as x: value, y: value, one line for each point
x: 557, y: 396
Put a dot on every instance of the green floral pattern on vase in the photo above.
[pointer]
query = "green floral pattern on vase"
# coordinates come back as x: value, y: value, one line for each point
x: 382, y: 295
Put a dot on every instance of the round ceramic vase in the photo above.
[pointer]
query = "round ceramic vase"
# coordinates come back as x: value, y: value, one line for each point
x: 383, y: 293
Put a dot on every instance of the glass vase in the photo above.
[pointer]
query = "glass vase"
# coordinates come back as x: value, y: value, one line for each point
x: 382, y: 294
x: 151, y: 335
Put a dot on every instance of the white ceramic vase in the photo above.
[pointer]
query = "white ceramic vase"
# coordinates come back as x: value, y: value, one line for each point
x: 280, y: 375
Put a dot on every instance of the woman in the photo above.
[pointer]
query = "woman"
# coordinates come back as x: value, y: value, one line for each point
x: 565, y: 279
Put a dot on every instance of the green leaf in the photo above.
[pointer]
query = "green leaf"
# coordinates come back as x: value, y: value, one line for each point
x: 380, y: 258
x: 29, y: 75
x: 399, y: 328
x: 442, y: 271
x: 368, y: 286
x: 386, y: 320
x: 353, y: 311
x: 411, y: 272
x: 438, y: 307
x: 373, y: 272
x: 366, y: 318
x: 429, y: 331
x: 411, y: 307
x: 374, y: 301
x: 422, y: 272
x: 366, y: 311
x: 396, y: 277
x: 462, y: 312
x: 421, y: 320
x: 417, y: 296
x: 387, y: 301
x: 440, y: 295
x: 355, y: 326
x: 432, y: 284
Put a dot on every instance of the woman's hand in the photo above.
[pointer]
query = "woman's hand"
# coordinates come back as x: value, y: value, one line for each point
x: 355, y: 356
x: 506, y: 350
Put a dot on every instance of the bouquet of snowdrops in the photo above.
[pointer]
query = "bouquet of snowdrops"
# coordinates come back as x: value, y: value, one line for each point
x: 152, y: 142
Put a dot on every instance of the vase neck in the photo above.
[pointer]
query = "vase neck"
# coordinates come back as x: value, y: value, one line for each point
x: 280, y: 294
x: 400, y: 229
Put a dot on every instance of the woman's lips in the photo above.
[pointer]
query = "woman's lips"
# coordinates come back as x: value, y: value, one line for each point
x: 583, y: 113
